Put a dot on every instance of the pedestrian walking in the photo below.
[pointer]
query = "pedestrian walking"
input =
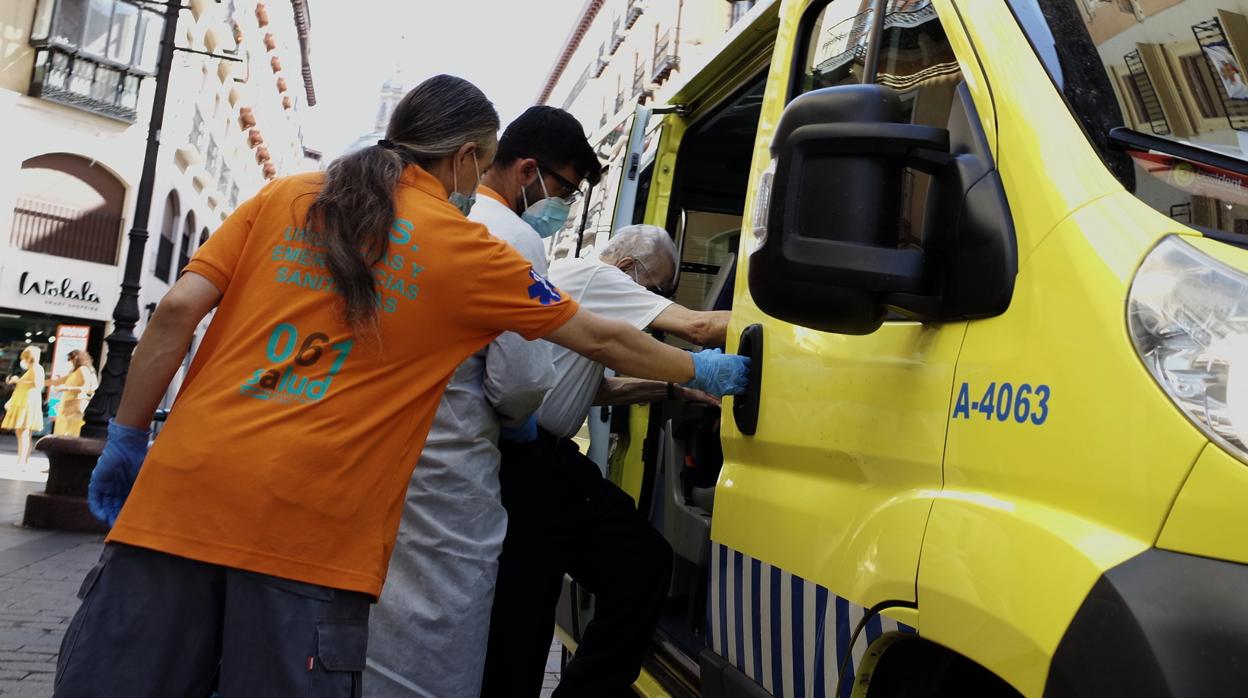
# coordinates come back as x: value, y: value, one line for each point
x: 247, y: 545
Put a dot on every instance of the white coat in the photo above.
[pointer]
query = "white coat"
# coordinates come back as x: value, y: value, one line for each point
x: 428, y: 632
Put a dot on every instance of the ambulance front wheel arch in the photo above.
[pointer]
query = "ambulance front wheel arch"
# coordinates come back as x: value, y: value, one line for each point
x: 901, y: 665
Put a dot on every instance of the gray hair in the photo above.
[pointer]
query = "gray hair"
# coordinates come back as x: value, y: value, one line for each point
x: 440, y: 115
x: 649, y: 244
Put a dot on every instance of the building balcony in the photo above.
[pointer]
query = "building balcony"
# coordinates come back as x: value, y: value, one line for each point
x: 617, y: 38
x: 92, y: 84
x: 619, y: 102
x: 641, y: 89
x: 599, y: 65
x: 633, y: 13
x: 665, y: 58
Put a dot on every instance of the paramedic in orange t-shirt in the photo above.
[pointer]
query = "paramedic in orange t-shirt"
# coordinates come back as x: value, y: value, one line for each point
x: 260, y: 525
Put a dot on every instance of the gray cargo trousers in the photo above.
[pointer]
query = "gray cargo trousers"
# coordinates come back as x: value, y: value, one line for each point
x: 159, y: 625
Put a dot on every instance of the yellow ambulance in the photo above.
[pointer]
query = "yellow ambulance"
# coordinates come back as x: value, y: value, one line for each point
x: 990, y: 259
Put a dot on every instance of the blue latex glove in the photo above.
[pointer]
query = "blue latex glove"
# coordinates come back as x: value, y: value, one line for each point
x: 522, y: 434
x: 720, y: 374
x: 116, y: 470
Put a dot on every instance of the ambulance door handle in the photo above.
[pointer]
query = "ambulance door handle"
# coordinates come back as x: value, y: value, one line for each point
x: 745, y: 405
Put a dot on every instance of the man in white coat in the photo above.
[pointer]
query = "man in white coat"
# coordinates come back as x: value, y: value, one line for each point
x: 428, y: 633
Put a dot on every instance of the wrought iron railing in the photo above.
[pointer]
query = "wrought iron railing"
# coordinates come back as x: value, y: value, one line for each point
x: 665, y: 58
x: 62, y: 231
x: 617, y: 37
x: 1154, y: 116
x: 76, y: 80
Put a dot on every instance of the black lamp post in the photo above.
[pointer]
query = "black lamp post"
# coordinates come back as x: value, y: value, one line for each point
x: 126, y: 313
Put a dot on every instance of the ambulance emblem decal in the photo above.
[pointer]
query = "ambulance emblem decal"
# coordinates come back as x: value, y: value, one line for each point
x: 543, y: 290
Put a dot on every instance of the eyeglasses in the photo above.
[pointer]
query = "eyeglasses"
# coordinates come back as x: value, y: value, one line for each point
x: 656, y: 290
x: 572, y: 192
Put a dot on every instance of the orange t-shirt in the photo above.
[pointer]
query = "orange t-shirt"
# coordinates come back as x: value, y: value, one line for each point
x: 291, y: 443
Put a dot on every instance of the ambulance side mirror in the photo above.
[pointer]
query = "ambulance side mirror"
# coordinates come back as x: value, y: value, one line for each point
x: 831, y: 252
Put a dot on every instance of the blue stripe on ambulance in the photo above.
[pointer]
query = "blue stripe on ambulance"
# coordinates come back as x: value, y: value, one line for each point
x: 784, y: 632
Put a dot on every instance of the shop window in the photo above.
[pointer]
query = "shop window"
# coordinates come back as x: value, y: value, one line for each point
x: 188, y: 239
x: 203, y: 236
x: 164, y: 244
x: 68, y: 206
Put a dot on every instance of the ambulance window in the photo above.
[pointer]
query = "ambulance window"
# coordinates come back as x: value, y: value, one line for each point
x: 1172, y: 71
x: 917, y: 61
x: 834, y: 46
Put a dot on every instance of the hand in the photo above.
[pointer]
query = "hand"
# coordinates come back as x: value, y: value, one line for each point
x: 691, y: 395
x: 718, y: 373
x: 522, y: 433
x: 116, y: 470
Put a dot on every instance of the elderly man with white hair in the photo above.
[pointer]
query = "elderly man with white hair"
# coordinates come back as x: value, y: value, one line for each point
x: 563, y: 516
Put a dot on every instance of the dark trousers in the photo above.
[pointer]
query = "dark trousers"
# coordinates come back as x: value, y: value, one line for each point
x: 563, y: 517
x: 158, y: 625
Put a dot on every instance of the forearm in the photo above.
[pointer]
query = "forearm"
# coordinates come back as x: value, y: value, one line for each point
x: 629, y: 391
x: 156, y: 359
x: 637, y: 354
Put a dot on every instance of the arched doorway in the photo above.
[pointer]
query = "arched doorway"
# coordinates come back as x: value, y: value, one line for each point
x: 68, y: 206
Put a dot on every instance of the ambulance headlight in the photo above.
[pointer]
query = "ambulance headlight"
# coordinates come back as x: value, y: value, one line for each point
x: 762, y: 204
x: 1188, y: 317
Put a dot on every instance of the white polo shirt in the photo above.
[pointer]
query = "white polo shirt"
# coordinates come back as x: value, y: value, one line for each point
x: 607, y: 291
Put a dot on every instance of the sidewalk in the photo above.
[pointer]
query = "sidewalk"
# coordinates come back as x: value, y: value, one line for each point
x: 40, y: 572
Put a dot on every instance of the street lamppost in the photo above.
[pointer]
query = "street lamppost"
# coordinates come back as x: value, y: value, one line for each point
x: 63, y: 504
x: 126, y: 313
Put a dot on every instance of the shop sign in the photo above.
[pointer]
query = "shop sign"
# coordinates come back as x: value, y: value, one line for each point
x: 57, y: 286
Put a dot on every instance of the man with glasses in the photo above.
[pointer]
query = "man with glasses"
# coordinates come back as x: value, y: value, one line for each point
x: 429, y: 629
x: 563, y: 515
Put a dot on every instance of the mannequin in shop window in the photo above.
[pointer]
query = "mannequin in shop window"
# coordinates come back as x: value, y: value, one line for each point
x: 23, y: 413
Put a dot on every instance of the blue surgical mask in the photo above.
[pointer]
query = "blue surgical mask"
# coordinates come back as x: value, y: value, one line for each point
x: 548, y: 215
x: 464, y: 202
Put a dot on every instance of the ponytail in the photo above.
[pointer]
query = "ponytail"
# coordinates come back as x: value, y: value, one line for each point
x: 355, y: 207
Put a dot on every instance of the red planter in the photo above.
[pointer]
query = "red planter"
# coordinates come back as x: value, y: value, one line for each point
x: 287, y: 102
x: 281, y: 84
x: 276, y: 64
x: 246, y: 117
x: 262, y: 14
x: 254, y: 137
x: 262, y: 155
x: 270, y: 170
x: 270, y: 42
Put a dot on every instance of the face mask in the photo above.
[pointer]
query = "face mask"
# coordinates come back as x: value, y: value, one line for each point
x: 548, y: 215
x: 464, y: 202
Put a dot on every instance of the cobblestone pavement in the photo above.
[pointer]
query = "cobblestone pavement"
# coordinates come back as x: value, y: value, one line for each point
x: 40, y: 572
